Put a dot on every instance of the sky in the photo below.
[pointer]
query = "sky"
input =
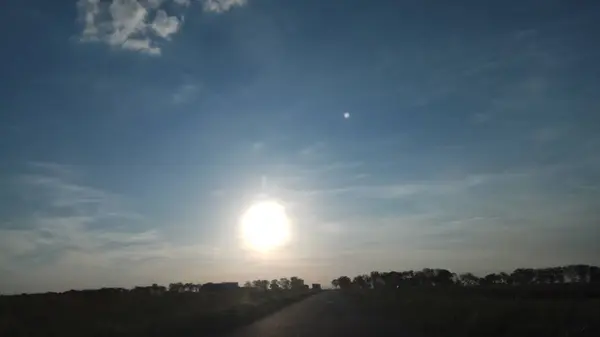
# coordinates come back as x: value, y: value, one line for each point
x: 398, y: 135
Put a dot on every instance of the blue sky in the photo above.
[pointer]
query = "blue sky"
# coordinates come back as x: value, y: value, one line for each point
x: 134, y: 134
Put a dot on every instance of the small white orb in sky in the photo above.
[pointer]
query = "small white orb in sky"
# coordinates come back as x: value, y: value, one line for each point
x: 346, y: 115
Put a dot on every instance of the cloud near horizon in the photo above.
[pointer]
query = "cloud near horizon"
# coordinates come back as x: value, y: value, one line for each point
x: 451, y: 223
x: 79, y: 236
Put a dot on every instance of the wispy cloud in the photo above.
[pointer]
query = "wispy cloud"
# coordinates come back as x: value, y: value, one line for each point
x: 219, y: 6
x: 461, y: 223
x: 547, y: 135
x: 138, y: 25
x: 77, y: 226
x: 313, y: 149
x: 185, y: 93
x: 399, y: 190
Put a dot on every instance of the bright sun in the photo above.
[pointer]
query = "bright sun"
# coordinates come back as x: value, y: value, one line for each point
x: 265, y: 226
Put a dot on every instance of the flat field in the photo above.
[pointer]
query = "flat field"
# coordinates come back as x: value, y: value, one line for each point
x: 555, y: 310
x: 130, y: 314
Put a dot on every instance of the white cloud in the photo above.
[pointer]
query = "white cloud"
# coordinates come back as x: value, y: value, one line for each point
x: 89, y: 9
x: 143, y: 45
x: 137, y: 25
x: 165, y: 25
x: 126, y: 24
x: 128, y: 20
x: 219, y: 6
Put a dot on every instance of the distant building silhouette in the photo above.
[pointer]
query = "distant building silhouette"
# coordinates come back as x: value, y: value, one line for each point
x: 220, y: 286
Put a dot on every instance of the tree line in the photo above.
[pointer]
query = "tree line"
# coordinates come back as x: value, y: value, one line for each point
x: 284, y: 283
x: 292, y: 283
x: 440, y: 277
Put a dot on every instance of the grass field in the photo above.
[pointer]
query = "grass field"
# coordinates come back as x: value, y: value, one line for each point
x: 130, y: 314
x: 487, y: 311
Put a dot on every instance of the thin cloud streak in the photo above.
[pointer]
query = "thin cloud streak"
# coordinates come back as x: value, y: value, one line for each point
x: 72, y: 239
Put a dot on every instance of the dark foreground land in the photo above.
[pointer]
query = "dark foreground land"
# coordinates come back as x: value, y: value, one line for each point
x: 551, y: 310
x: 482, y: 311
x: 130, y: 314
x: 328, y: 314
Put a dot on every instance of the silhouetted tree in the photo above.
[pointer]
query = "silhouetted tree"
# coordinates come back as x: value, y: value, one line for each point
x: 582, y: 272
x: 155, y: 289
x: 296, y: 283
x: 407, y: 277
x: 367, y: 279
x: 559, y: 274
x: 545, y: 276
x: 442, y: 277
x: 391, y: 279
x: 176, y: 287
x: 423, y: 277
x: 490, y: 279
x: 344, y: 282
x: 469, y: 280
x: 361, y: 281
x: 274, y: 285
x: 284, y: 283
x: 504, y: 278
x: 376, y: 280
x: 261, y: 284
x: 523, y: 276
x: 335, y: 283
x: 193, y: 287
x: 594, y: 274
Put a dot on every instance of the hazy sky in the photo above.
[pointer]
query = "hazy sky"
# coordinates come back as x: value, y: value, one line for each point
x: 134, y: 134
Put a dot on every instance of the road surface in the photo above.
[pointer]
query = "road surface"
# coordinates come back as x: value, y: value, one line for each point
x: 326, y: 314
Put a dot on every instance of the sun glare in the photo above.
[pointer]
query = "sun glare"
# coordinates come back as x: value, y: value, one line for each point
x: 265, y: 226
